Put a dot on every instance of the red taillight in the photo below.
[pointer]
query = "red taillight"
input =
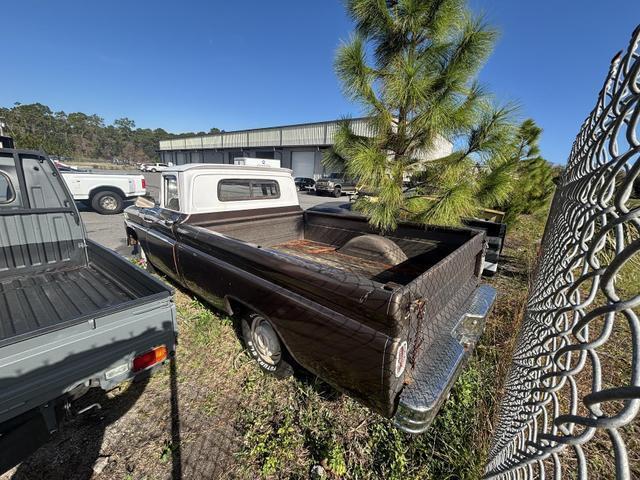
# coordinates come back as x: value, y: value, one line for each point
x: 144, y: 184
x: 150, y: 358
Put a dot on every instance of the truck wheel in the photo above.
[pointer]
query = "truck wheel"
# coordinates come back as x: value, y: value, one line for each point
x: 264, y: 345
x: 337, y: 192
x: 107, y: 202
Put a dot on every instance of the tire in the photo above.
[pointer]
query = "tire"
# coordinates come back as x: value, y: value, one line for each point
x: 107, y: 202
x: 264, y: 345
x: 154, y: 170
x: 337, y: 192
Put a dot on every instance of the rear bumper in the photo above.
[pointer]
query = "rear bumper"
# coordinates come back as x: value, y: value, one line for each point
x: 433, y: 378
x: 137, y: 193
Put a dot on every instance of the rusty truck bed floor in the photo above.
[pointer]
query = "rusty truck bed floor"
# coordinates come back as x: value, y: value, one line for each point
x: 328, y: 255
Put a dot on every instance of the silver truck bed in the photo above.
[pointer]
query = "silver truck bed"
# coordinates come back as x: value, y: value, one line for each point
x: 40, y: 303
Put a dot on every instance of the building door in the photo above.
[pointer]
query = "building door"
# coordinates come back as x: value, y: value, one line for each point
x: 302, y: 164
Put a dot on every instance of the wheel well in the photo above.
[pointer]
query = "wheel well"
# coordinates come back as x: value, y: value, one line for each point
x: 235, y: 308
x: 97, y: 190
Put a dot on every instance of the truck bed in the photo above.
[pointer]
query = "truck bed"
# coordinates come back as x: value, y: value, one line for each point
x: 317, y: 236
x: 329, y: 255
x: 40, y: 303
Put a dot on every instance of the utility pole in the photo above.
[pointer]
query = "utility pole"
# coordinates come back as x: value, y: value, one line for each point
x: 2, y: 125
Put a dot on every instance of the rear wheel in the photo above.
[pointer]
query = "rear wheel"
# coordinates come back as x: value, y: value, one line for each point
x: 107, y: 202
x: 337, y: 192
x: 265, y: 346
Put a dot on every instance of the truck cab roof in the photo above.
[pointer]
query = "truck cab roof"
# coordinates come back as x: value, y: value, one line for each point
x: 211, y: 188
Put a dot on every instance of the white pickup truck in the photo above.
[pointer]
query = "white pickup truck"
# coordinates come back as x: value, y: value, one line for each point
x: 104, y: 192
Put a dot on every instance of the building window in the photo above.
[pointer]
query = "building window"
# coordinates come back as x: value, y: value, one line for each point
x: 196, y: 157
x: 234, y: 190
x: 171, y: 198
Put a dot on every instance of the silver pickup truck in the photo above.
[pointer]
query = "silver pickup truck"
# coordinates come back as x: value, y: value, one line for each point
x: 73, y: 314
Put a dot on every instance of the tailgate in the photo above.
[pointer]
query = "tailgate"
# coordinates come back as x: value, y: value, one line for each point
x: 447, y: 313
x: 40, y: 369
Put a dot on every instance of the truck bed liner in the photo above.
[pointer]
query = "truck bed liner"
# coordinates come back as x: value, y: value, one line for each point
x: 41, y: 302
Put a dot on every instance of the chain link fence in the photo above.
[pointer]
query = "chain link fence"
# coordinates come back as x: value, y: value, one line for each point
x: 573, y: 390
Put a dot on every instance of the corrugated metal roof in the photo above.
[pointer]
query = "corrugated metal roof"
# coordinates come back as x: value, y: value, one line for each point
x: 319, y: 133
x: 306, y: 134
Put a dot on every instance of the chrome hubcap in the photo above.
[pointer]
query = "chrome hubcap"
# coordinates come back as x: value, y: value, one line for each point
x: 266, y: 341
x: 108, y: 203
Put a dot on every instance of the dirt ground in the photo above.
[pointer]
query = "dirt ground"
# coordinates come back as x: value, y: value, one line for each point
x: 179, y: 423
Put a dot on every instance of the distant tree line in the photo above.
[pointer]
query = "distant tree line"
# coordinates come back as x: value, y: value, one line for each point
x: 83, y: 136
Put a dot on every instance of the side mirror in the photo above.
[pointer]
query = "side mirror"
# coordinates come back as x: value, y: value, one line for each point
x: 145, y: 201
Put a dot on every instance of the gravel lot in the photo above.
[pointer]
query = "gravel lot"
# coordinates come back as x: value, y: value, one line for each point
x: 109, y: 231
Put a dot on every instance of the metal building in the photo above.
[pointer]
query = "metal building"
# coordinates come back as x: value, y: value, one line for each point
x: 298, y: 147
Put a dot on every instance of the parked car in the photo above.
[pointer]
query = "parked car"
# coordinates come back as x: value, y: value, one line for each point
x: 303, y: 183
x: 390, y: 320
x: 156, y: 167
x: 336, y: 184
x: 74, y: 315
x: 104, y: 192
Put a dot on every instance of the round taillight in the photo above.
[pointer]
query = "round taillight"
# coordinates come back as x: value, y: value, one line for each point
x: 401, y: 359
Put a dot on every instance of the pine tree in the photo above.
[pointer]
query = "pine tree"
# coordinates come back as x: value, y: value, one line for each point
x: 534, y: 175
x: 412, y: 65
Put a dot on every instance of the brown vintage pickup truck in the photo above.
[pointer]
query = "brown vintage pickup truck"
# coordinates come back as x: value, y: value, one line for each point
x: 388, y: 319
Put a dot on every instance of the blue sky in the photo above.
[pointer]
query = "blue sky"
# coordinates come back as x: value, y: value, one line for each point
x: 189, y: 66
